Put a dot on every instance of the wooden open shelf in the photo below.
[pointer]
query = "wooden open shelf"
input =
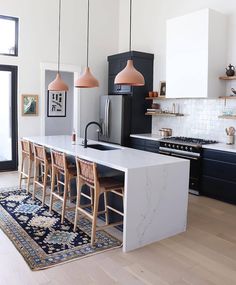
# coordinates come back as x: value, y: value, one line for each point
x: 155, y: 98
x: 230, y: 117
x: 227, y: 77
x: 163, y: 114
x: 228, y: 97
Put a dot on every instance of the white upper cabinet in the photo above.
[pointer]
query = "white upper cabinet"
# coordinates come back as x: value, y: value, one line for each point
x: 196, y: 55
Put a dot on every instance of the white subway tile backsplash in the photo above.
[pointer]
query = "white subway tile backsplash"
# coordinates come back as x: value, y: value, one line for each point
x: 200, y: 120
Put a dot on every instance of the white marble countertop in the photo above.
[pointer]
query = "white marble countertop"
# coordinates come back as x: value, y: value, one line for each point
x: 122, y: 158
x: 221, y: 146
x: 153, y: 137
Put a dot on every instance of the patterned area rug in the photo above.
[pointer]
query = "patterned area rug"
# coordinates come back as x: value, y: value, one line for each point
x: 40, y: 237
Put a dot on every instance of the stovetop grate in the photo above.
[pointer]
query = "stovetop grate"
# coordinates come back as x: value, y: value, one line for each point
x: 197, y: 141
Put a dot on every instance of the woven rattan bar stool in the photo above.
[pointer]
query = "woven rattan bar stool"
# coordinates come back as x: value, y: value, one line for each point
x: 62, y: 174
x: 87, y: 175
x: 42, y: 170
x: 27, y: 159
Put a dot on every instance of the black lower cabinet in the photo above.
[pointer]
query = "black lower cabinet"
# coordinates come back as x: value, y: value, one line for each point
x: 144, y: 144
x: 219, y: 175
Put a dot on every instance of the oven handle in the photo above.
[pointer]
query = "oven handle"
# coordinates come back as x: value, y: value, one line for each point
x: 164, y: 152
x: 185, y: 156
x: 179, y: 155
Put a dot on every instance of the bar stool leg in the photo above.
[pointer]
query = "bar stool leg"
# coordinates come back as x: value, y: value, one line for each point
x: 21, y: 170
x: 92, y: 199
x: 35, y: 178
x: 45, y: 183
x: 64, y: 198
x: 94, y: 222
x: 29, y: 175
x: 52, y: 189
x: 77, y: 205
x: 106, y: 209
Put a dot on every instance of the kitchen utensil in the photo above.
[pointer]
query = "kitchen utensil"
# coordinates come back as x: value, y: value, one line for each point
x: 227, y: 132
x: 231, y: 131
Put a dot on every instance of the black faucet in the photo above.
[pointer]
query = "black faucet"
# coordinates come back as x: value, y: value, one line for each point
x: 86, y: 130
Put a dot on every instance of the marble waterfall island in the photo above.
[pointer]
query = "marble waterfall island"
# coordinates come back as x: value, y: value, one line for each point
x: 156, y: 188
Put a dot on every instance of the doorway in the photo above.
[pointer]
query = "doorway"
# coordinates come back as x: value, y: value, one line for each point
x: 8, y: 118
x: 60, y: 124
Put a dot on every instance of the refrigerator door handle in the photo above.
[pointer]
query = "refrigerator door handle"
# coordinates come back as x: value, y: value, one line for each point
x: 108, y: 116
x: 105, y: 122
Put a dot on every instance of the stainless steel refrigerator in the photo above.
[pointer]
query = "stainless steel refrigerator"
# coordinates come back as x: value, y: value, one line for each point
x: 115, y: 117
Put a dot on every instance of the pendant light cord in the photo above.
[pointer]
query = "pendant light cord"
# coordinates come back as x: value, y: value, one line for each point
x: 88, y: 20
x: 59, y: 38
x: 130, y: 24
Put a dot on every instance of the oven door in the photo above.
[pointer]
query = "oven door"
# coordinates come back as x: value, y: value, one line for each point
x: 195, y: 170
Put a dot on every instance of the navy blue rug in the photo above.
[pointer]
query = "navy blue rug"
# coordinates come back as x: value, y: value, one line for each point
x: 40, y: 237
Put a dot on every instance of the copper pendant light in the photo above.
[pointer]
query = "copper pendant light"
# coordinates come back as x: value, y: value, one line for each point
x: 58, y: 84
x: 87, y: 80
x: 130, y: 75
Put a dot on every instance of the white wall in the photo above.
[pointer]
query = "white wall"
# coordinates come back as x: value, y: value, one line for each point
x: 149, y: 35
x: 38, y: 44
x: 149, y: 26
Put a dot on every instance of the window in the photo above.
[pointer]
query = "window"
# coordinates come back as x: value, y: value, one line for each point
x: 8, y: 35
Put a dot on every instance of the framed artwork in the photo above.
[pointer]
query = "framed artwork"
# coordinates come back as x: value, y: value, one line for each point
x: 56, y: 106
x: 162, y: 90
x: 29, y: 105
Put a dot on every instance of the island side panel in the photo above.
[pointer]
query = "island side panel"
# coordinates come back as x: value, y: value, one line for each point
x: 155, y: 205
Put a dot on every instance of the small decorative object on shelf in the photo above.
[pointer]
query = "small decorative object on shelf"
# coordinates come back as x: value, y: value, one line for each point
x: 234, y: 91
x: 152, y: 94
x: 230, y: 70
x: 73, y: 137
x: 162, y: 91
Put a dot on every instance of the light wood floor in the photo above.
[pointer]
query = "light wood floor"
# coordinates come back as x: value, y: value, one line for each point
x: 205, y: 254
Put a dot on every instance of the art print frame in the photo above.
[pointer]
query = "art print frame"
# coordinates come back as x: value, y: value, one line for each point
x: 29, y: 105
x: 162, y: 89
x: 56, y: 104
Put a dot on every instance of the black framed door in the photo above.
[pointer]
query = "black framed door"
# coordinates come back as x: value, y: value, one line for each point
x: 8, y: 118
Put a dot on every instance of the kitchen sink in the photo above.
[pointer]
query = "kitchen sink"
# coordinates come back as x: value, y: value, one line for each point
x: 101, y: 147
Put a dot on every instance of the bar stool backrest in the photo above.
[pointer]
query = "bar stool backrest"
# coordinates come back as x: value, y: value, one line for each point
x: 87, y: 171
x: 25, y: 146
x: 59, y: 160
x: 40, y: 152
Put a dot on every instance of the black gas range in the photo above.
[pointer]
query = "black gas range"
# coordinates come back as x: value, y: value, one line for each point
x: 188, y: 148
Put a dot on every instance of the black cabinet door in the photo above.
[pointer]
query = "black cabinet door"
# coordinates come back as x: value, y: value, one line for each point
x: 219, y: 189
x: 137, y: 143
x: 143, y: 144
x: 219, y: 175
x: 152, y: 146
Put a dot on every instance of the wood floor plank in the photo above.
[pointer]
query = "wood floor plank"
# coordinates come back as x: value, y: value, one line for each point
x: 204, y: 255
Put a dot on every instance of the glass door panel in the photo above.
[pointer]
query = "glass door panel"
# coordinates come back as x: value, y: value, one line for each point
x: 5, y: 117
x: 8, y: 118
